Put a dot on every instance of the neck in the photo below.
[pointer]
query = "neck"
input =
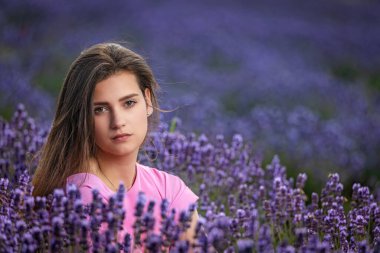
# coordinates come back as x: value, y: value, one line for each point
x: 116, y: 169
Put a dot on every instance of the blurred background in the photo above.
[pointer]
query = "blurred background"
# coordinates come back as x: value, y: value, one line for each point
x: 300, y: 79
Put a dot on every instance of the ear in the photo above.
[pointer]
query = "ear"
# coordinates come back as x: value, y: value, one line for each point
x: 148, y: 101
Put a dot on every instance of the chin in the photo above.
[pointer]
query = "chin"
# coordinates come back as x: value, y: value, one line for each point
x: 123, y: 152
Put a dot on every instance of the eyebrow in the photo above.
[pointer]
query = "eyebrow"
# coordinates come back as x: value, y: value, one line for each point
x: 120, y: 99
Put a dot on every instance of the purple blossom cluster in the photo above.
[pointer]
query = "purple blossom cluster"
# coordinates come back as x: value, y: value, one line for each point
x: 262, y: 81
x: 296, y: 79
x: 20, y: 140
x: 243, y: 206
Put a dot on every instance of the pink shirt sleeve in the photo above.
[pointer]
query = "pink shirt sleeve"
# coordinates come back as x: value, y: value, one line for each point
x: 153, y: 181
x: 86, y: 183
x: 179, y: 195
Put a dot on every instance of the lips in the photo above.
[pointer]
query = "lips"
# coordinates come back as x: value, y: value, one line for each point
x: 121, y: 137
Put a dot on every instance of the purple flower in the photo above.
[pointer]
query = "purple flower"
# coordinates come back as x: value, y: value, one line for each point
x: 153, y: 243
x: 127, y: 243
x: 84, y: 226
x: 242, y: 206
x: 140, y: 204
x: 181, y: 247
x: 148, y: 218
x: 58, y: 234
x: 245, y: 246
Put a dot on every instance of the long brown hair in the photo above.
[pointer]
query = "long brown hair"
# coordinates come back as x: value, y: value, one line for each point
x: 70, y: 143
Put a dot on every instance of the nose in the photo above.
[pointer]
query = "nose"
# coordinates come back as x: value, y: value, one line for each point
x: 117, y: 120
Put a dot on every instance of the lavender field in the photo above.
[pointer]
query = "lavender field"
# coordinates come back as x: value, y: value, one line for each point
x: 276, y: 121
x: 244, y: 205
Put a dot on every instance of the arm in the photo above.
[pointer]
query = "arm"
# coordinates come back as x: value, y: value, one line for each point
x: 190, y: 232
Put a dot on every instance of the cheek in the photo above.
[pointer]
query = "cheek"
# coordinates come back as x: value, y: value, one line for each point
x: 142, y: 123
x: 99, y: 129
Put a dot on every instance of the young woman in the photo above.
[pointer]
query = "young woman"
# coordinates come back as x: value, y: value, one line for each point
x: 105, y: 108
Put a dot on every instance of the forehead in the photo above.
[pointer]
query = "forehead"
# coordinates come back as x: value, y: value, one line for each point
x: 117, y: 85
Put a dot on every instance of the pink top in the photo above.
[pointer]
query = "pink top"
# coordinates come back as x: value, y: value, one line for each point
x: 156, y: 185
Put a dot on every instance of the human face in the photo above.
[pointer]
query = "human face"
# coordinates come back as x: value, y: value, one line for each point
x: 120, y: 115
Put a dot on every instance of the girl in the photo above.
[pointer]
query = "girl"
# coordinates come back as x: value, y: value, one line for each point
x: 105, y: 108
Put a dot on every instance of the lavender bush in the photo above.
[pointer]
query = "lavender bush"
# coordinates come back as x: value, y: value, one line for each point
x: 295, y: 78
x: 244, y: 207
x: 270, y: 74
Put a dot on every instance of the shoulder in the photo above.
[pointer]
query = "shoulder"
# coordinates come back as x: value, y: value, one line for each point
x: 86, y: 183
x: 157, y: 175
x: 171, y: 186
x: 161, y: 179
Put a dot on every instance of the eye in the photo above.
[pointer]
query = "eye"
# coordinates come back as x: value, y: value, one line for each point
x: 100, y: 109
x: 129, y: 103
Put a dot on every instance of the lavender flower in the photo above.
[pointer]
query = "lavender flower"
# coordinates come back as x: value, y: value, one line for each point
x: 153, y: 243
x: 57, y: 234
x: 138, y: 225
x: 245, y: 246
x: 243, y: 207
x: 127, y: 243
